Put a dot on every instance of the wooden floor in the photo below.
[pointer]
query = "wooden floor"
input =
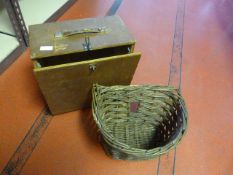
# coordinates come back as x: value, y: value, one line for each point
x: 32, y: 142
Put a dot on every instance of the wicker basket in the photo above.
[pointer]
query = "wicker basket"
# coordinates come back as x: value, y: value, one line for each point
x: 139, y: 122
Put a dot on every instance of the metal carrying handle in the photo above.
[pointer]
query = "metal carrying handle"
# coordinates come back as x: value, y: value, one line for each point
x: 60, y: 34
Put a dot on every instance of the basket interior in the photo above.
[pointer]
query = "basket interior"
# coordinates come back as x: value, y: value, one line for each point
x: 140, y: 117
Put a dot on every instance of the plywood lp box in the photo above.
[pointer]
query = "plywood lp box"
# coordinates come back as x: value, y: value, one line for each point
x: 70, y: 56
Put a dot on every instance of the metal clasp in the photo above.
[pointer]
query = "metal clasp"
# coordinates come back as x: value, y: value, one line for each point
x: 92, y: 67
x: 87, y: 43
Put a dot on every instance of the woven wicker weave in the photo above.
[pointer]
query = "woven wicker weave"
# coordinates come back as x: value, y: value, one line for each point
x: 157, y: 124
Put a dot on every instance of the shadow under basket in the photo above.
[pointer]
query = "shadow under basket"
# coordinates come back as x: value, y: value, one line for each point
x: 139, y: 122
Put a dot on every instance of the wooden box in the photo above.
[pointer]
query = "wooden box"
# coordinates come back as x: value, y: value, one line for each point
x: 70, y: 56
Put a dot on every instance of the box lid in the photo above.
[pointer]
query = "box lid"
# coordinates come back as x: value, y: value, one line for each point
x: 60, y: 38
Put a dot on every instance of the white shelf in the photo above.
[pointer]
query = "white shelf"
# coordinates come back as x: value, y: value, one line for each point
x: 33, y: 11
x: 38, y: 11
x: 5, y: 23
x: 8, y: 44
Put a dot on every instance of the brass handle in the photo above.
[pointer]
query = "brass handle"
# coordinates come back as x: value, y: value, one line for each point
x: 60, y: 34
